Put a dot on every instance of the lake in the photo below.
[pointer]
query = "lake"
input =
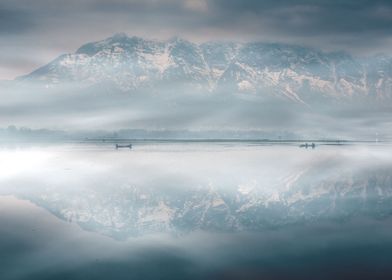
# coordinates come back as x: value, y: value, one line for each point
x: 195, y: 210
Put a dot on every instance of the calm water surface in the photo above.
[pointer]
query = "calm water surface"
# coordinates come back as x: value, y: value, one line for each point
x: 195, y: 211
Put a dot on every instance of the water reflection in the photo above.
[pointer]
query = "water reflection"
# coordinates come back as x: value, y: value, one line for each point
x: 195, y: 211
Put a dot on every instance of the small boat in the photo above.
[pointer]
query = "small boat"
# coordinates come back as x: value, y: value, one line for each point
x: 306, y: 145
x: 118, y: 146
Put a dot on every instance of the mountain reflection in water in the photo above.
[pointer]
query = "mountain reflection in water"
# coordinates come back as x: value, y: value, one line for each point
x: 191, y: 211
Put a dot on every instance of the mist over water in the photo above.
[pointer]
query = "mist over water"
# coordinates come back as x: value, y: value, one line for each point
x: 195, y: 211
x: 71, y: 109
x: 195, y: 139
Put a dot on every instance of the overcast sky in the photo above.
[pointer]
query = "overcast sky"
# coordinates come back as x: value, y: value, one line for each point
x: 34, y: 32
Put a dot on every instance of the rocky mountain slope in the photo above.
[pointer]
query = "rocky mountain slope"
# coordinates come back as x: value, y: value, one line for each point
x: 291, y: 72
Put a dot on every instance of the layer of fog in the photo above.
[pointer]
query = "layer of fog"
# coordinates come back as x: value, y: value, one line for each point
x: 65, y: 108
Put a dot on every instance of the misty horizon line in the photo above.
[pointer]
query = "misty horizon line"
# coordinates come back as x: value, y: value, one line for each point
x: 13, y: 133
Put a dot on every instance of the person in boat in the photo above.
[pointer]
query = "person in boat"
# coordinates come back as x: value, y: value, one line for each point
x: 123, y: 146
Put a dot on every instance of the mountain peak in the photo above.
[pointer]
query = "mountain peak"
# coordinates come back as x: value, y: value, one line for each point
x: 117, y: 39
x: 120, y: 38
x: 120, y: 35
x: 177, y: 39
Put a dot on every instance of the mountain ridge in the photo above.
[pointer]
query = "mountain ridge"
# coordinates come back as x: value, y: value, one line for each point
x: 292, y: 72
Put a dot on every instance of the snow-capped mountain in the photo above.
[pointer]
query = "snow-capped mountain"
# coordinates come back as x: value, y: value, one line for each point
x: 296, y: 73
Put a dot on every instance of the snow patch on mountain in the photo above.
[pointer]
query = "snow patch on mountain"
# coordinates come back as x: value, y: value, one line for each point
x: 296, y: 73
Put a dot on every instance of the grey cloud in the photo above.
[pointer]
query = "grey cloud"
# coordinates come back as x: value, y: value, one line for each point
x: 302, y: 17
x: 14, y: 21
x: 325, y: 20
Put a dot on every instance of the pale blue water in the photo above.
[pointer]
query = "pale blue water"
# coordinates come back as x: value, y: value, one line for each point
x: 195, y: 211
